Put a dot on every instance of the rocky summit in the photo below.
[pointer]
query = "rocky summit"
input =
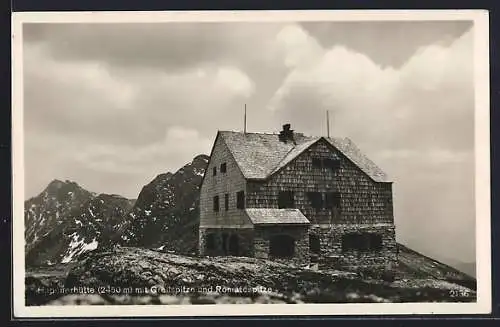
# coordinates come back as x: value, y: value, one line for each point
x: 166, y: 214
x: 128, y: 275
x: 89, y: 248
x: 65, y: 221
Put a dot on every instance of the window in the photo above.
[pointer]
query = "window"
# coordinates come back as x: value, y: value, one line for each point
x: 316, y: 199
x: 314, y: 244
x: 223, y: 168
x: 215, y: 170
x: 332, y: 164
x: 226, y: 201
x: 210, y: 242
x: 361, y: 242
x: 216, y: 203
x: 240, y: 200
x: 316, y: 162
x: 286, y: 200
x: 332, y: 200
x: 282, y: 246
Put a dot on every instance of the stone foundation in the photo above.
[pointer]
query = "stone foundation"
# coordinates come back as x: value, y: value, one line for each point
x: 244, y: 238
x: 263, y: 236
x: 333, y: 256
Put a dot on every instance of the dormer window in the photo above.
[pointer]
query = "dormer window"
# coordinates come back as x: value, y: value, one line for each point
x: 329, y: 163
x: 223, y: 168
x: 332, y: 164
x: 316, y: 162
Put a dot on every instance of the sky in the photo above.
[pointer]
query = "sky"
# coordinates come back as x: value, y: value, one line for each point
x: 111, y: 106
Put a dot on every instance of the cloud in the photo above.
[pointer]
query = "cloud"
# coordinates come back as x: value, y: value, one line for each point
x: 171, y: 153
x: 113, y: 105
x: 91, y: 99
x: 167, y: 46
x: 415, y: 121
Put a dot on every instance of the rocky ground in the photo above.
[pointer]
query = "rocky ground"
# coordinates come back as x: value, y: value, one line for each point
x: 127, y: 275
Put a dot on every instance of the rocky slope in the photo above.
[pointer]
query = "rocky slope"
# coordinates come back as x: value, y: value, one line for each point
x: 50, y: 209
x: 166, y: 214
x: 66, y: 220
x: 127, y: 275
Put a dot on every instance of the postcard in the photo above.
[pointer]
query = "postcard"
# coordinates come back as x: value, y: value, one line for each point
x: 277, y: 162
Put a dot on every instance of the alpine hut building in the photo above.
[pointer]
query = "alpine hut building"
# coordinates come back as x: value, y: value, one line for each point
x: 296, y: 197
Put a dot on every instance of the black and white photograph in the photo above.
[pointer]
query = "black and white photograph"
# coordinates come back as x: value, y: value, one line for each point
x: 281, y: 163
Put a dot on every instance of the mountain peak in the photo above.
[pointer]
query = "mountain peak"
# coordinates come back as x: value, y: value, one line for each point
x: 56, y: 183
x: 201, y: 158
x: 56, y: 186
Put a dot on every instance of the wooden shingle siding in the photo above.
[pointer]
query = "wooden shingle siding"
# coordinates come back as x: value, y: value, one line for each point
x: 362, y: 200
x: 230, y: 182
x: 351, y: 195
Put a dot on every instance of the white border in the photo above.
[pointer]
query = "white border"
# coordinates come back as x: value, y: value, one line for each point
x: 482, y: 148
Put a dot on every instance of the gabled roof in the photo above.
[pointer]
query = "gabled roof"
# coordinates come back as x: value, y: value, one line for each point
x: 266, y: 216
x: 260, y: 155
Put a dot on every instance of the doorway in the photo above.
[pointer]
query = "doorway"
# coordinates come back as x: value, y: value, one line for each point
x: 282, y: 246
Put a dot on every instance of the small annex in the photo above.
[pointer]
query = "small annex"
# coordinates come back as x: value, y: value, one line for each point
x: 288, y: 196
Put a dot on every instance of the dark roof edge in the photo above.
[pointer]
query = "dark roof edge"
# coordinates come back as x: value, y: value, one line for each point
x: 209, y: 160
x: 368, y: 175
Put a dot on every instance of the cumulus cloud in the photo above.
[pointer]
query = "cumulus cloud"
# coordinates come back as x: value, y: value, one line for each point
x: 113, y: 105
x: 176, y: 149
x: 416, y: 121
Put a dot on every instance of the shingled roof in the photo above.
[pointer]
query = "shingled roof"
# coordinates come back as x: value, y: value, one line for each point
x: 267, y: 216
x: 260, y: 155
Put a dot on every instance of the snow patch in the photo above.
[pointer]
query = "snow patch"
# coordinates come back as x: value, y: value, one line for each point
x: 147, y: 212
x: 91, y: 212
x: 78, y: 246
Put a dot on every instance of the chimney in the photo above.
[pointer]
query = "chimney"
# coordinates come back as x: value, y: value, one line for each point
x: 286, y: 134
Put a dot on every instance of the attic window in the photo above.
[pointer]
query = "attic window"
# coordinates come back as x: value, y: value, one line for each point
x: 361, y: 242
x: 240, y: 200
x: 316, y: 162
x: 216, y: 203
x: 286, y: 200
x: 332, y: 200
x: 316, y: 199
x: 214, y: 171
x: 223, y: 167
x: 332, y: 164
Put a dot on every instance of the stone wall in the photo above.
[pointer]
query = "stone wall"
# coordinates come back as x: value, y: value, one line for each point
x: 332, y: 255
x: 362, y: 200
x: 244, y: 236
x: 230, y: 183
x: 300, y: 234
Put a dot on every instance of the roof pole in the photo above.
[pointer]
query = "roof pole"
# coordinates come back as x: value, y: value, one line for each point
x: 245, y: 120
x: 327, y: 124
